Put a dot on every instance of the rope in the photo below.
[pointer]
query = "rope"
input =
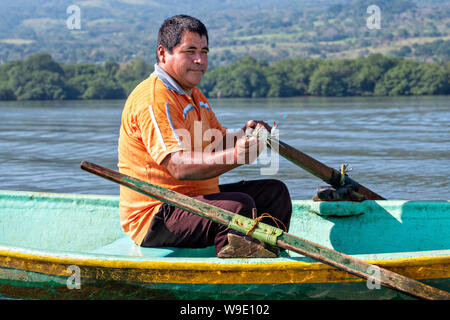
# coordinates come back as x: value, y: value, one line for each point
x: 342, y: 174
x: 344, y: 171
x: 258, y: 219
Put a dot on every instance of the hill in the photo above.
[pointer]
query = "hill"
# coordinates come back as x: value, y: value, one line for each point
x: 273, y: 30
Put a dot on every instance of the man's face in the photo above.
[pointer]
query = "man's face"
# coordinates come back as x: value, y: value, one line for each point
x: 188, y: 62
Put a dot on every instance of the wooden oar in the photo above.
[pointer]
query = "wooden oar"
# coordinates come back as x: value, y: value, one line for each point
x: 271, y: 235
x: 318, y: 169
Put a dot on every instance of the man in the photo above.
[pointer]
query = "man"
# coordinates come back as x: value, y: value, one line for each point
x: 162, y: 140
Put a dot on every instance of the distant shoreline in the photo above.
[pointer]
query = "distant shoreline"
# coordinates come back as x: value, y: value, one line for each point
x: 39, y: 78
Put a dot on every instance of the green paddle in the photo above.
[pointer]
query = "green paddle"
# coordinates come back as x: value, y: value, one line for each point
x: 271, y: 235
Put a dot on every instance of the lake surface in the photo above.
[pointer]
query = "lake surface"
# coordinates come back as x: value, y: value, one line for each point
x: 398, y: 147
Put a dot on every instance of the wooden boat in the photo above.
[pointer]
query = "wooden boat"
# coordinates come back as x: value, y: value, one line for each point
x: 71, y: 246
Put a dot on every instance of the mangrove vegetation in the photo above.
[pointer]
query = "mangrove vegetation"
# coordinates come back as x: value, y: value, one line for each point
x: 39, y: 77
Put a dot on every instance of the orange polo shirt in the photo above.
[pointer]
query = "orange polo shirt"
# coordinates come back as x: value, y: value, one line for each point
x: 158, y: 119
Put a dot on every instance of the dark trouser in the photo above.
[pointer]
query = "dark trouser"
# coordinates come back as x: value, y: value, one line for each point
x: 174, y: 227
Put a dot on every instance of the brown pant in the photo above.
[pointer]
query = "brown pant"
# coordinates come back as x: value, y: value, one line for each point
x: 174, y: 227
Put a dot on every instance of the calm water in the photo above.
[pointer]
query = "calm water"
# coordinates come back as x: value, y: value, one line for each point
x: 398, y: 147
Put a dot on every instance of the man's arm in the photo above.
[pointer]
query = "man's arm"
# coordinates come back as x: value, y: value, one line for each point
x: 231, y: 137
x: 233, y: 151
x: 191, y: 165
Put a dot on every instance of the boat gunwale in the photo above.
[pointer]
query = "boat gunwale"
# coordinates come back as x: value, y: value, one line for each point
x: 205, y: 263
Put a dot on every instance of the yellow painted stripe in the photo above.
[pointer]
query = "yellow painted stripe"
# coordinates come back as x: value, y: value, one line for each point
x: 213, y: 272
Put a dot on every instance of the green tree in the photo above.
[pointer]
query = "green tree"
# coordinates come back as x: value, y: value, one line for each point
x: 41, y: 85
x: 222, y: 81
x: 369, y: 71
x: 37, y: 78
x: 279, y: 84
x: 40, y: 62
x: 103, y: 87
x: 300, y: 74
x: 249, y: 81
x: 131, y: 75
x: 7, y: 94
x: 332, y: 79
x: 111, y: 68
x: 208, y: 82
x: 74, y: 70
x: 434, y: 80
x: 413, y: 78
x: 290, y: 77
x: 95, y: 82
x: 244, y: 78
x: 79, y: 76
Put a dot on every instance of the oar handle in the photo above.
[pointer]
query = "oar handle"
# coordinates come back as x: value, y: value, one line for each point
x: 317, y: 168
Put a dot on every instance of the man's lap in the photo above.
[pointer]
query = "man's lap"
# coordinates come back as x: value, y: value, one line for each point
x: 172, y: 226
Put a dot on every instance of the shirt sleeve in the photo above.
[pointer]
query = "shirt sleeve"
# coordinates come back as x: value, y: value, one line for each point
x: 161, y: 127
x: 214, y: 123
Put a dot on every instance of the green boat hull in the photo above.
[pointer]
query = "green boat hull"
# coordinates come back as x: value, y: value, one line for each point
x: 71, y: 246
x: 43, y: 287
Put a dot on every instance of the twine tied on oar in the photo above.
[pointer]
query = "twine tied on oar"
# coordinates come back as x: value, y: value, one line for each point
x: 258, y: 219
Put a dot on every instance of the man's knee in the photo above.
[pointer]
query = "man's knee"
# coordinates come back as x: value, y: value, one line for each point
x: 278, y: 187
x: 242, y: 203
x: 237, y: 202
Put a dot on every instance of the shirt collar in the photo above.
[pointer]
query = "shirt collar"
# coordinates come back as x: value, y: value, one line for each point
x: 168, y: 81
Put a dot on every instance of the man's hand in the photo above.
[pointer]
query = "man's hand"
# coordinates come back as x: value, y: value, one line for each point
x: 253, y: 123
x: 247, y: 150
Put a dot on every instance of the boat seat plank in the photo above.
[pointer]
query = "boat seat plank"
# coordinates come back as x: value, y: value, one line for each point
x: 126, y: 247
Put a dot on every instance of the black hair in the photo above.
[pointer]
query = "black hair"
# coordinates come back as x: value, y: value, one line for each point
x: 171, y: 31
